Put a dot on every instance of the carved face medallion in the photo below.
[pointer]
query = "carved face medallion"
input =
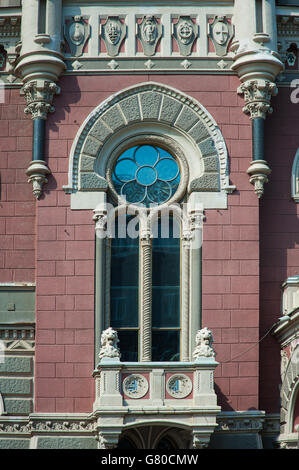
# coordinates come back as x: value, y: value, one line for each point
x: 113, y: 32
x: 149, y: 30
x: 220, y: 33
x: 76, y: 33
x: 185, y: 32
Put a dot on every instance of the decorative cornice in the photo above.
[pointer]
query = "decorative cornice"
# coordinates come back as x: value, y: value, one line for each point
x: 39, y: 96
x: 240, y: 421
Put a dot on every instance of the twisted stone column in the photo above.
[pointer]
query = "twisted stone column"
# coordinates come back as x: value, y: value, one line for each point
x: 146, y: 296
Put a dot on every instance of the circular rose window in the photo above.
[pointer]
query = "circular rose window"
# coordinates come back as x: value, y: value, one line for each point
x: 146, y: 174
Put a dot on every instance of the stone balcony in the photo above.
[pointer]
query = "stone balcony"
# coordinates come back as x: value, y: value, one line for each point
x: 172, y: 394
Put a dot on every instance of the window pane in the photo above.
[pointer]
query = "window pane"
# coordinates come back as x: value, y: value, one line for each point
x: 146, y: 174
x: 128, y: 345
x: 165, y: 345
x: 166, y: 278
x: 124, y: 281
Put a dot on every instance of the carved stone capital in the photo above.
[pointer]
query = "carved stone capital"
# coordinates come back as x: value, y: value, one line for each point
x: 37, y: 172
x: 100, y: 218
x: 259, y: 171
x: 257, y: 95
x: 39, y: 96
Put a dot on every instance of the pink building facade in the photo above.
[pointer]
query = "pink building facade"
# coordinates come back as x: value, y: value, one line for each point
x: 206, y: 99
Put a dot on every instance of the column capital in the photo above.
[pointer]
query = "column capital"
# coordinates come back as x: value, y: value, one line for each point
x: 39, y: 95
x: 257, y: 94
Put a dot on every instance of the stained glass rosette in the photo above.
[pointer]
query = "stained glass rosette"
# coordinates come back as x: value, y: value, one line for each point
x: 146, y: 174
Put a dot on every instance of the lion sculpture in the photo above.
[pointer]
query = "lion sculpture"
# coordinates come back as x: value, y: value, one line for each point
x: 204, y: 339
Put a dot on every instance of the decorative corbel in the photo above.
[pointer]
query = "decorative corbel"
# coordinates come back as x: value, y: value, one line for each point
x: 39, y: 96
x: 257, y: 94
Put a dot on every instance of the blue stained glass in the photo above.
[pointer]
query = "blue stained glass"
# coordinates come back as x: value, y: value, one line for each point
x: 146, y: 174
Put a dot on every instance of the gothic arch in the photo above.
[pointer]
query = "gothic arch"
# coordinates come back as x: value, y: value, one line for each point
x: 142, y: 110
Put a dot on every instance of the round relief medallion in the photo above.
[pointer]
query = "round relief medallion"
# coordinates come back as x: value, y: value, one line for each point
x: 135, y: 386
x: 179, y: 386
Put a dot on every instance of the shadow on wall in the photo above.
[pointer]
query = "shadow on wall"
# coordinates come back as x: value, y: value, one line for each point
x: 60, y: 132
x: 279, y: 237
x: 222, y: 399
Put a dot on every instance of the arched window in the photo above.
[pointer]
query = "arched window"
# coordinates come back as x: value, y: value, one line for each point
x: 295, y: 178
x: 145, y: 278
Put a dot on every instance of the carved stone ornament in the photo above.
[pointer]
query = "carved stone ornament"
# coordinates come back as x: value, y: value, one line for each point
x: 37, y: 172
x: 149, y: 31
x: 185, y: 32
x: 100, y: 218
x: 204, y: 340
x: 39, y: 96
x: 179, y: 386
x: 109, y: 341
x: 113, y: 33
x: 76, y: 34
x: 135, y: 386
x: 259, y: 171
x: 283, y: 364
x: 257, y: 95
x: 221, y: 32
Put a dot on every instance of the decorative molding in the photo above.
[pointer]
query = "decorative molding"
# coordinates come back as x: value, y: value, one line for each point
x: 257, y: 94
x: 179, y: 386
x: 109, y: 341
x: 76, y: 33
x: 149, y: 32
x: 135, y: 386
x: 185, y: 32
x: 221, y: 32
x: 204, y: 340
x: 240, y: 421
x: 145, y: 104
x: 113, y: 33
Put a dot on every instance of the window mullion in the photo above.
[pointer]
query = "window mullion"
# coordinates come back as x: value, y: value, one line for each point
x: 146, y: 297
x: 186, y: 242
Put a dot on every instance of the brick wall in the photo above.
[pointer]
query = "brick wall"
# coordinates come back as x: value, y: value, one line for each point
x: 65, y: 254
x: 17, y: 204
x: 279, y: 236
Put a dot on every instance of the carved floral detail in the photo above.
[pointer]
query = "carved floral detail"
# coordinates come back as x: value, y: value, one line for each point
x: 39, y: 95
x: 257, y: 95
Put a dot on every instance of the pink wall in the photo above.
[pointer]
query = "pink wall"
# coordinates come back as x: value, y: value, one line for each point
x: 279, y: 236
x: 17, y: 204
x: 65, y: 254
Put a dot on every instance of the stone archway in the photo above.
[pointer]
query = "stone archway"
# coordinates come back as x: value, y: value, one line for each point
x: 143, y: 109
